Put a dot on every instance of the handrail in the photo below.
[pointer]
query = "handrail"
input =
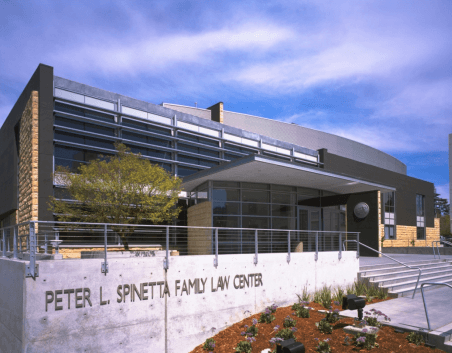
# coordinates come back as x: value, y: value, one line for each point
x: 423, y: 299
x: 389, y: 257
x: 437, y: 248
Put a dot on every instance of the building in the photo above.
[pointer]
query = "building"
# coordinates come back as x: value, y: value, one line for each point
x: 238, y: 170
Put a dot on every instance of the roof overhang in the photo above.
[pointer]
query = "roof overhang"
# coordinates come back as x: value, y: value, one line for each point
x: 262, y: 169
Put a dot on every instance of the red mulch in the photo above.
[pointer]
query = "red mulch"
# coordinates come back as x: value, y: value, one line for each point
x: 388, y: 340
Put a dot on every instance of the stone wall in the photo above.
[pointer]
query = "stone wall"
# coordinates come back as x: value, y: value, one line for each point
x: 200, y: 240
x: 28, y: 161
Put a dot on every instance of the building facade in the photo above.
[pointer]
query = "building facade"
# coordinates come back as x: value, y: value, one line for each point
x: 238, y: 170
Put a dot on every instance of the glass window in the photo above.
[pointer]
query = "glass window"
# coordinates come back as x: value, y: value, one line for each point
x: 99, y: 143
x: 255, y: 196
x: 226, y: 221
x: 255, y: 209
x: 73, y: 124
x: 283, y: 223
x: 284, y: 188
x: 134, y: 137
x: 226, y: 195
x: 226, y: 184
x: 72, y: 165
x: 255, y: 222
x: 69, y: 137
x: 282, y: 198
x: 69, y: 153
x: 66, y: 108
x: 100, y: 129
x: 185, y: 171
x: 255, y: 186
x: 389, y: 232
x: 420, y: 216
x: 232, y: 208
x: 231, y: 157
x: 199, y: 139
x: 283, y: 211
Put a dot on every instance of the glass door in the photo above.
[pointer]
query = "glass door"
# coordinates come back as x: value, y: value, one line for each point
x: 308, y: 220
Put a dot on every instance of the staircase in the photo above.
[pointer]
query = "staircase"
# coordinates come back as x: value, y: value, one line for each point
x: 400, y: 281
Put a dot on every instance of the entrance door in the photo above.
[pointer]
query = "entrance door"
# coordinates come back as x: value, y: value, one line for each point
x: 308, y: 220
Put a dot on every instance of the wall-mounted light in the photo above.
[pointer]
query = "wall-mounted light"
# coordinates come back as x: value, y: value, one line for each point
x: 352, y: 302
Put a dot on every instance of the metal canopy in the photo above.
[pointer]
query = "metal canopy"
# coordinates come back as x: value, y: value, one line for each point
x: 262, y: 169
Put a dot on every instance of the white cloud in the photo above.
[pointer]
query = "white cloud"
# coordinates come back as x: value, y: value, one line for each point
x: 443, y: 191
x: 151, y: 53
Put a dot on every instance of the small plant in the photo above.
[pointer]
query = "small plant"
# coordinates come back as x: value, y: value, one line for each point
x: 371, y: 317
x: 277, y: 341
x: 332, y: 316
x: 286, y: 333
x: 245, y: 346
x: 266, y: 316
x: 367, y: 339
x: 251, y: 331
x: 323, y: 346
x: 305, y: 296
x: 289, y: 322
x: 337, y: 297
x: 382, y: 240
x: 347, y: 340
x: 296, y: 306
x: 303, y: 312
x: 412, y: 243
x: 382, y: 293
x: 209, y: 345
x: 415, y: 337
x: 324, y: 326
x: 325, y: 297
x: 360, y: 288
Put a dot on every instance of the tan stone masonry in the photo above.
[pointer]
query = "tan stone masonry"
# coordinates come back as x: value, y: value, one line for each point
x: 200, y: 240
x: 28, y: 161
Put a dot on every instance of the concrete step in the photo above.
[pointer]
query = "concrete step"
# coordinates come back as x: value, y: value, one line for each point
x: 407, y: 288
x: 412, y: 278
x: 394, y: 264
x: 373, y: 270
x: 406, y: 273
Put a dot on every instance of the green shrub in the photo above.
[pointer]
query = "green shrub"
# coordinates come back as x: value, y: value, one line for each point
x: 289, y: 322
x: 286, y: 333
x: 243, y: 347
x: 209, y: 345
x: 324, y: 326
x: 415, y: 337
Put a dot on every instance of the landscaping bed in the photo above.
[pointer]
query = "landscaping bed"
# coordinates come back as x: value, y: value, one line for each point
x: 306, y: 332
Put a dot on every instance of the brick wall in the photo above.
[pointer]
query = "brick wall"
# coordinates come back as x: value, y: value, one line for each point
x: 200, y: 240
x: 28, y: 161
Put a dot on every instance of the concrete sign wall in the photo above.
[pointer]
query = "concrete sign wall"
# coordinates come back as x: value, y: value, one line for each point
x: 140, y: 307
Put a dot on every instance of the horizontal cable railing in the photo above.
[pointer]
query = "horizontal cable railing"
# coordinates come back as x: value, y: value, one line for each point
x: 37, y: 239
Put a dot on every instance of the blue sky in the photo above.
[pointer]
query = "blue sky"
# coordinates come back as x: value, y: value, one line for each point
x: 378, y: 72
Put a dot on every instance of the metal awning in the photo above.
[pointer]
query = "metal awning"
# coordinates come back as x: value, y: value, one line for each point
x: 263, y: 169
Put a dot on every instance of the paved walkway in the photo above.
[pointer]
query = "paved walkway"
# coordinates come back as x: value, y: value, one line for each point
x: 409, y: 313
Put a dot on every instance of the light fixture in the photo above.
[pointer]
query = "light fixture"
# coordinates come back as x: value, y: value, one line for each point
x: 290, y: 346
x: 352, y: 302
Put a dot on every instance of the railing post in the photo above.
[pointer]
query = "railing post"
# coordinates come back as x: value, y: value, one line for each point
x: 357, y: 246
x: 4, y: 242
x: 166, y: 260
x: 340, y: 247
x: 288, y: 247
x: 255, y: 247
x: 215, y: 260
x: 104, y: 265
x: 46, y: 239
x: 316, y: 246
x: 15, y: 229
x: 32, y: 268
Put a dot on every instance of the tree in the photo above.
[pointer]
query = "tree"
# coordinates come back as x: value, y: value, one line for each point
x: 121, y: 189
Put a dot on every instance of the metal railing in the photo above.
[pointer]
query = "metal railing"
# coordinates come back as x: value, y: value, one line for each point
x: 26, y: 239
x: 423, y: 298
x: 437, y: 248
x: 389, y: 257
